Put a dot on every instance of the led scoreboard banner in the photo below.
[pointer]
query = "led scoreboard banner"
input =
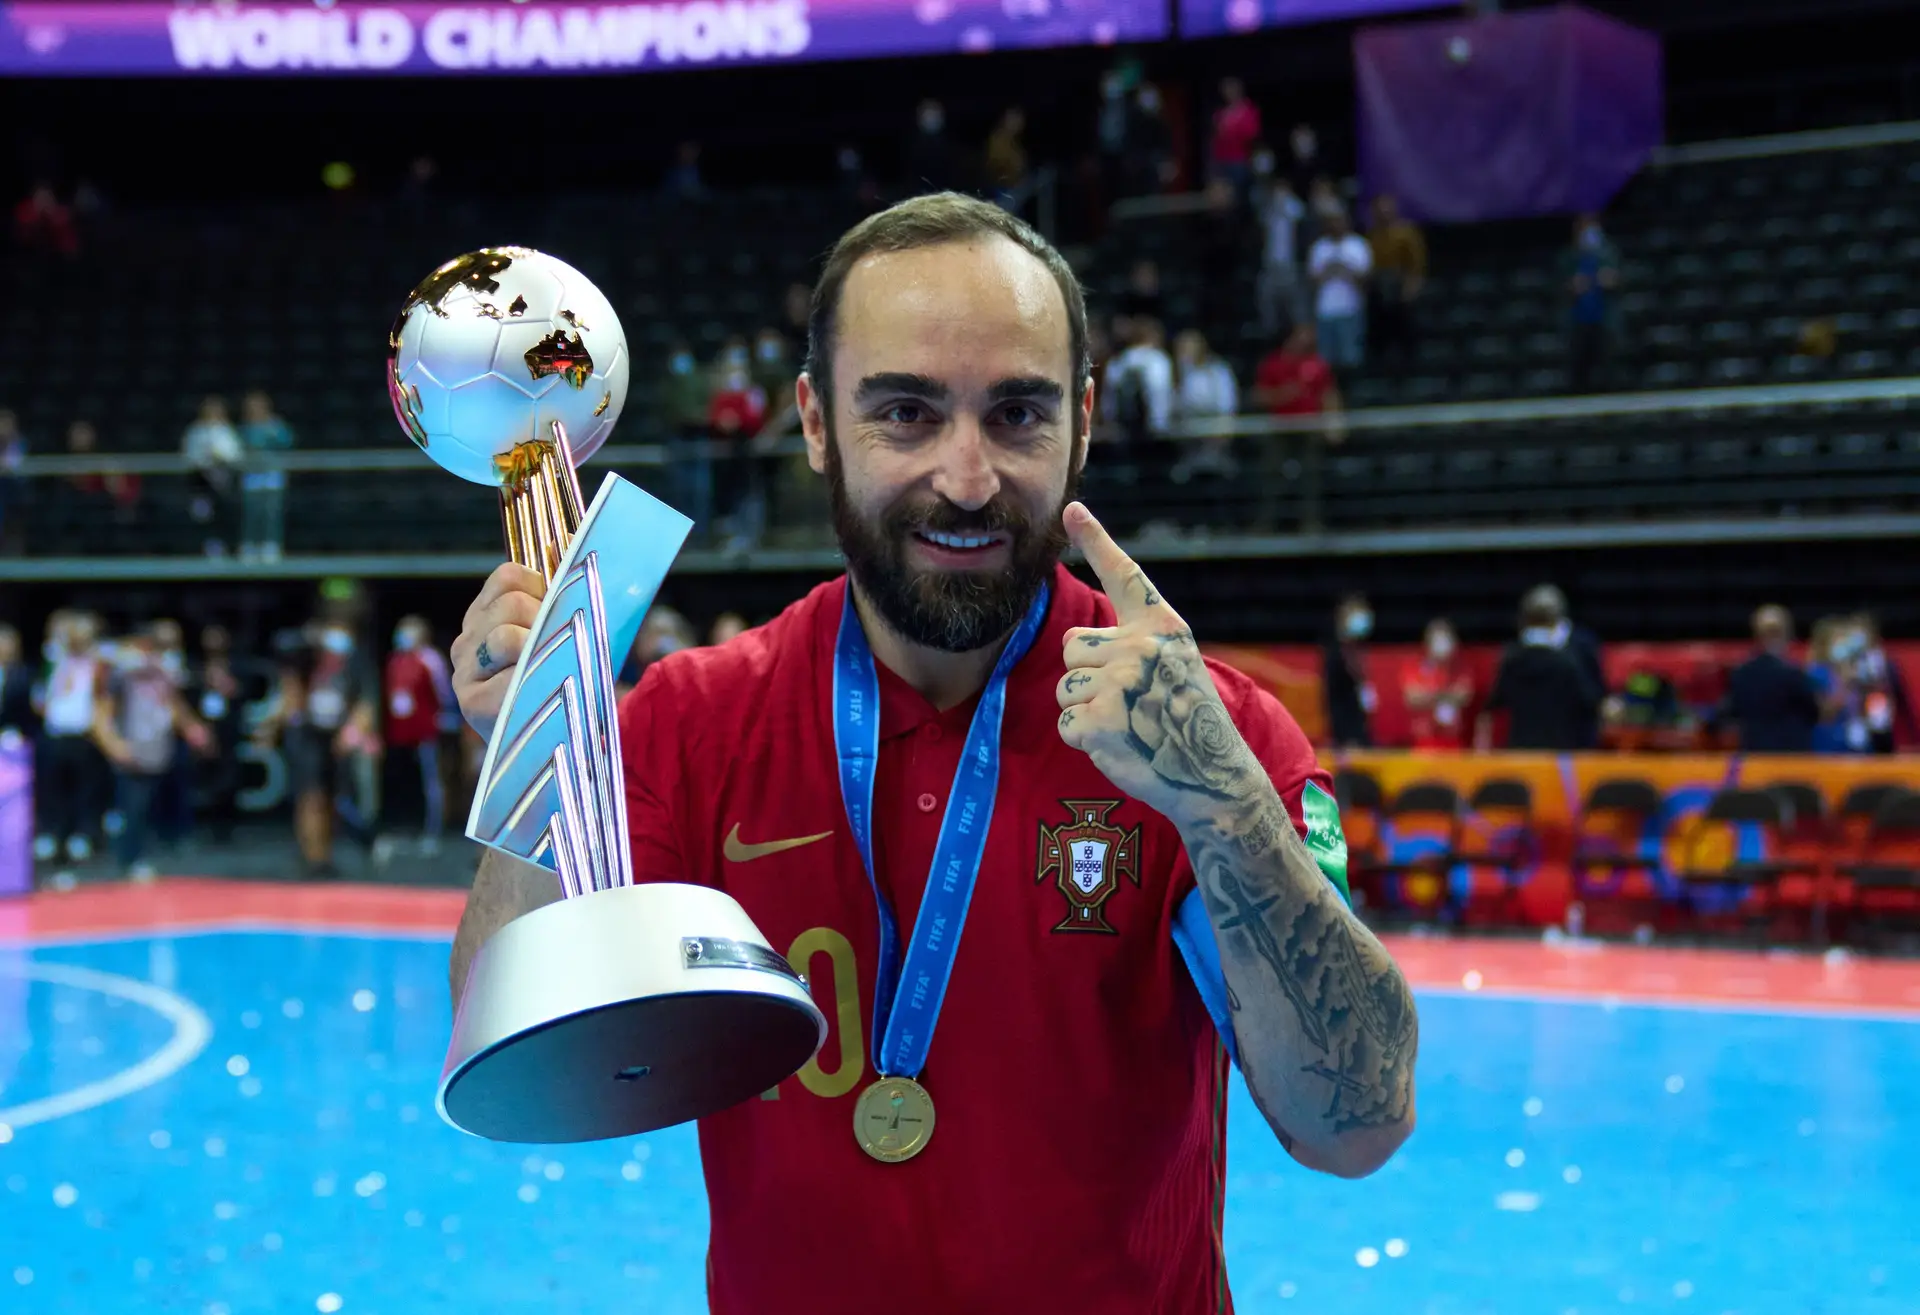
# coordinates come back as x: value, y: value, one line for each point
x: 410, y: 37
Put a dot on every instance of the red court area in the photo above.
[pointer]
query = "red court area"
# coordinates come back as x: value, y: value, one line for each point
x: 1541, y: 969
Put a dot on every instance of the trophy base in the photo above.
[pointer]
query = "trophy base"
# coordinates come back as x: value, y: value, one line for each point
x: 621, y: 1011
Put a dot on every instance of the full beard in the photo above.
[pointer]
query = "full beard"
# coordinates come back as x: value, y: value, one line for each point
x: 953, y: 611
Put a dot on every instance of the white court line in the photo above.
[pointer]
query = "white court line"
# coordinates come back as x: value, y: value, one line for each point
x: 237, y: 927
x: 1837, y: 1009
x: 191, y: 1032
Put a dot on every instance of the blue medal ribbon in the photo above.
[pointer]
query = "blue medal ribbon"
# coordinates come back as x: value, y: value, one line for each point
x: 907, y: 998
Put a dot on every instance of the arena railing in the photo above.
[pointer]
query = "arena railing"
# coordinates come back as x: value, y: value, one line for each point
x: 1278, y: 513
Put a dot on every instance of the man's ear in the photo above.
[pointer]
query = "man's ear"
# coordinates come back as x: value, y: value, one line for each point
x: 813, y: 421
x: 1086, y: 429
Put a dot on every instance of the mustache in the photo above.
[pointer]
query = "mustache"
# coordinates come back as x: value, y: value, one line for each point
x: 943, y: 517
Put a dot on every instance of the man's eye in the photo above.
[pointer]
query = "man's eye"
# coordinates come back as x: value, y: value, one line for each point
x: 1020, y: 415
x: 904, y: 413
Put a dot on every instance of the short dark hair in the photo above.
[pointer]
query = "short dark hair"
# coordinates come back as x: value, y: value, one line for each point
x: 930, y: 221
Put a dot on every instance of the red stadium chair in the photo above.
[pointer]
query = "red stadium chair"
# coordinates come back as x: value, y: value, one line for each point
x: 1362, y: 808
x: 1886, y: 881
x: 1747, y: 882
x: 1421, y: 847
x: 1615, y: 862
x: 1497, y: 838
x: 1806, y: 847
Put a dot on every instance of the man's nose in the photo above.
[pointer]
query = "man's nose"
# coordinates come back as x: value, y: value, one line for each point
x: 966, y: 476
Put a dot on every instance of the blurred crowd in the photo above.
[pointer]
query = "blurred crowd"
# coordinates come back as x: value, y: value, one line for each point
x: 1548, y: 689
x: 143, y: 742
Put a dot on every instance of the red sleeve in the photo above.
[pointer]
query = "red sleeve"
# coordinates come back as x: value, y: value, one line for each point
x: 651, y: 755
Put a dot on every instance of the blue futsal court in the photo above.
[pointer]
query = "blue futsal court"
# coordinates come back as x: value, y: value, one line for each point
x: 232, y: 1122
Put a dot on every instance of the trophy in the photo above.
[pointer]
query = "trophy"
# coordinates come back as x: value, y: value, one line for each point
x: 620, y: 1008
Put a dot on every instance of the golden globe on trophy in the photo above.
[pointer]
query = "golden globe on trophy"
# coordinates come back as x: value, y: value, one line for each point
x: 622, y: 1007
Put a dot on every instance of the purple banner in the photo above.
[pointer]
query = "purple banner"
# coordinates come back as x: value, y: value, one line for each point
x: 1212, y: 18
x: 16, y: 813
x: 1547, y: 112
x: 549, y: 36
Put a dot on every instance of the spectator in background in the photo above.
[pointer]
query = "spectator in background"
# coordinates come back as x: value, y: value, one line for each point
x: 1350, y: 694
x: 121, y: 489
x: 1141, y: 300
x: 1304, y: 167
x: 1591, y: 267
x: 1151, y: 167
x: 173, y: 804
x: 1437, y: 690
x: 796, y: 305
x: 1205, y: 389
x: 142, y: 724
x: 412, y: 734
x: 1006, y: 158
x: 932, y: 163
x: 1236, y: 127
x: 1280, y: 211
x: 663, y: 631
x: 684, y: 397
x: 1888, y: 710
x: 726, y: 626
x: 1323, y: 204
x: 1294, y: 379
x: 70, y: 773
x: 1339, y: 265
x: 263, y: 485
x: 16, y: 686
x: 214, y: 694
x: 1399, y: 274
x: 774, y: 370
x: 328, y: 707
x: 1550, y: 696
x: 736, y: 408
x: 1140, y: 386
x: 1832, y: 680
x: 1770, y: 699
x: 41, y: 223
x: 683, y: 181
x: 211, y: 446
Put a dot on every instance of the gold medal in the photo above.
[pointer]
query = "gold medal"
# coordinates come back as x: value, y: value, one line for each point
x: 893, y: 1119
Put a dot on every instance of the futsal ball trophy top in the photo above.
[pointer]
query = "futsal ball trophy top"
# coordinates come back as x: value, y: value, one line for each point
x: 622, y: 1007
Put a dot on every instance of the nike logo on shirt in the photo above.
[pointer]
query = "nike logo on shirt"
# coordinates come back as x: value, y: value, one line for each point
x: 738, y: 851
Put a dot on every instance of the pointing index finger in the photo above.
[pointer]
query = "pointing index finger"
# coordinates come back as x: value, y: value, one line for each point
x: 1125, y: 583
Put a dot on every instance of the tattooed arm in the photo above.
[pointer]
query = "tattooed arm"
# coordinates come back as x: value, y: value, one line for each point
x: 1324, y: 1021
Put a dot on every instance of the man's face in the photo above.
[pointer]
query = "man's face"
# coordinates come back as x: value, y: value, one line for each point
x: 951, y: 438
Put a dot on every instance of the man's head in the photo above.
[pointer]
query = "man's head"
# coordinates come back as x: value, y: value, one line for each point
x: 9, y: 424
x: 1145, y: 331
x: 1772, y: 628
x: 80, y: 436
x: 769, y: 346
x: 1304, y: 340
x: 1013, y: 121
x: 1586, y: 229
x: 1335, y: 222
x: 215, y: 643
x: 1441, y: 642
x: 1386, y: 208
x: 411, y: 633
x: 9, y: 646
x: 1543, y: 608
x: 166, y: 635
x: 1353, y: 618
x: 1232, y: 90
x: 1190, y: 348
x: 726, y: 626
x: 947, y: 399
x: 213, y: 409
x: 256, y: 408
x: 932, y: 116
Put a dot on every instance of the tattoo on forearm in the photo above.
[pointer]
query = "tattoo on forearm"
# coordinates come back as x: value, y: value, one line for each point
x: 1274, y: 913
x: 1352, y: 1004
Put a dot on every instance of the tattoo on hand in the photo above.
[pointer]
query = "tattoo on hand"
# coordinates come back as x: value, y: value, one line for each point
x: 1077, y: 679
x: 1176, y: 723
x: 1066, y: 719
x: 1151, y: 598
x: 1094, y: 641
x: 481, y: 658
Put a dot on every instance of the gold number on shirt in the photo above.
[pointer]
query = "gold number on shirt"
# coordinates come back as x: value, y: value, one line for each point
x: 845, y: 1012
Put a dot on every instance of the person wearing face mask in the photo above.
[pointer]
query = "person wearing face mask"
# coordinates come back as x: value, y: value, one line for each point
x: 412, y: 734
x: 1350, y: 695
x: 1591, y: 268
x: 736, y: 409
x: 1887, y: 710
x: 684, y: 393
x: 214, y: 694
x: 1437, y: 689
x: 70, y: 772
x: 327, y: 717
x: 140, y: 723
x: 1551, y: 698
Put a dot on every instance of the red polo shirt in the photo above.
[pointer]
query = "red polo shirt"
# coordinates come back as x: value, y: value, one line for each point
x: 1077, y: 1077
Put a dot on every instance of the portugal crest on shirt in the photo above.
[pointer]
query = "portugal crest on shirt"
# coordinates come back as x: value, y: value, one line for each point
x: 1086, y: 857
